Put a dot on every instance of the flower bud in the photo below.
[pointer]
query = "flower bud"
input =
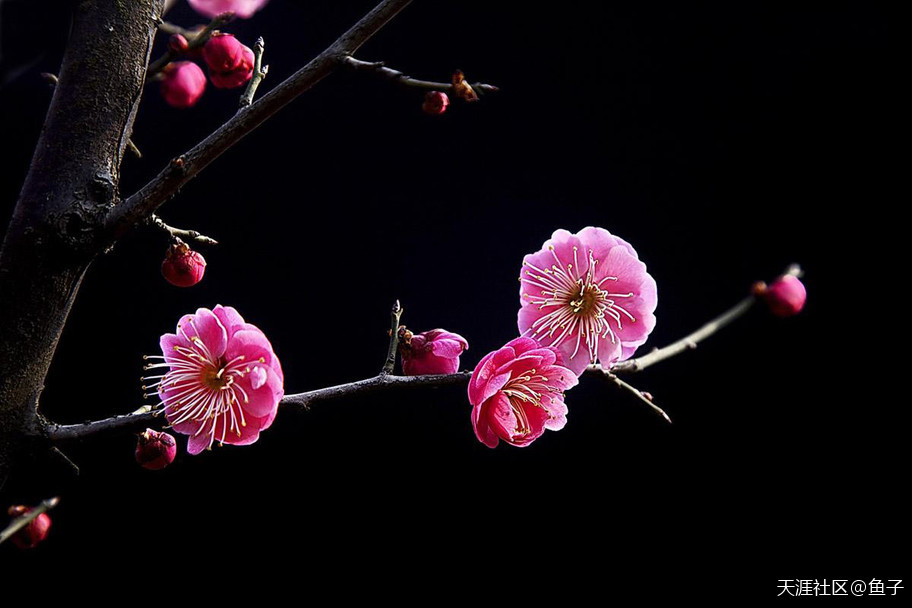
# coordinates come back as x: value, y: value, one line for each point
x: 183, y: 84
x: 178, y: 44
x: 230, y: 62
x: 786, y: 296
x: 435, y: 103
x: 461, y: 88
x: 430, y: 352
x: 183, y: 267
x: 32, y: 533
x: 155, y: 450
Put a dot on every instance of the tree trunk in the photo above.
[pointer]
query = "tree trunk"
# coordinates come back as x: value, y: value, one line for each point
x: 57, y: 225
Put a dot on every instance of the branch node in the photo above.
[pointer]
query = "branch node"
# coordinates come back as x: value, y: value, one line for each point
x: 259, y: 73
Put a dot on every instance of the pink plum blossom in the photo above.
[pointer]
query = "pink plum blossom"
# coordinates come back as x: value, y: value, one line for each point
x: 183, y: 83
x: 223, y: 381
x: 431, y: 352
x: 241, y: 8
x: 589, y: 296
x: 516, y: 393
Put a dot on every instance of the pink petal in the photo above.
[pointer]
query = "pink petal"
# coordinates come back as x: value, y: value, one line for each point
x: 231, y: 320
x: 608, y: 352
x: 447, y: 347
x: 559, y: 377
x: 485, y: 379
x: 198, y: 443
x: 206, y: 326
x: 600, y: 241
x: 500, y: 416
x: 482, y: 429
x: 263, y: 400
x: 168, y: 342
x: 252, y: 345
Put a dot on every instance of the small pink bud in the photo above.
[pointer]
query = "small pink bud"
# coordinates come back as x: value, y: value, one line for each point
x: 435, y: 103
x: 230, y: 62
x: 183, y: 267
x: 34, y: 532
x: 223, y: 53
x: 786, y: 296
x: 430, y: 352
x: 155, y: 450
x: 183, y: 84
x: 178, y: 44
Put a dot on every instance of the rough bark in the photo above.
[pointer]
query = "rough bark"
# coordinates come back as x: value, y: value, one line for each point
x: 72, y: 183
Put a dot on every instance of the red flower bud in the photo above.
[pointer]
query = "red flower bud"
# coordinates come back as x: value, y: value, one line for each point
x: 786, y: 296
x: 183, y: 267
x: 34, y: 532
x: 435, y: 103
x: 155, y: 450
x: 230, y: 62
x: 183, y: 84
x: 178, y: 44
x: 223, y: 53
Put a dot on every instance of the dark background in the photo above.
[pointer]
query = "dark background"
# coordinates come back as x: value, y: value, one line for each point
x: 724, y: 142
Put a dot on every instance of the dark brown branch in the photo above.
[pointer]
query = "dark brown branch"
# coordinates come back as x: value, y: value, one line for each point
x: 140, y: 205
x: 194, y: 41
x: 377, y: 384
x: 400, y: 78
x: 390, y: 362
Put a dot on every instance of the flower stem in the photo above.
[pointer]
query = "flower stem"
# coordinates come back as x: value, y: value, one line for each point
x: 26, y: 518
x: 259, y: 73
x: 394, y: 340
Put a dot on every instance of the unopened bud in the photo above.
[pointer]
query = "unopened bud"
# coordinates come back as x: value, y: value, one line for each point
x: 30, y: 535
x: 183, y: 267
x: 183, y: 83
x: 178, y: 44
x: 785, y: 296
x: 155, y: 450
x: 435, y: 103
x: 461, y: 88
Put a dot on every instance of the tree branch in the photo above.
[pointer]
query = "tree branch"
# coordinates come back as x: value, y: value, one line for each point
x: 187, y: 235
x: 400, y: 78
x: 140, y: 205
x: 390, y: 362
x: 688, y: 342
x: 26, y: 518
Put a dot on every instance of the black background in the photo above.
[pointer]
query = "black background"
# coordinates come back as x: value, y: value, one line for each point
x: 724, y: 140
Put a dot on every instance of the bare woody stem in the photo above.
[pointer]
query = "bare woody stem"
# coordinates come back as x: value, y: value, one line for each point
x: 259, y: 73
x: 400, y: 78
x: 26, y: 518
x: 194, y: 41
x: 141, y: 204
x: 187, y: 235
x: 390, y: 362
x: 686, y: 343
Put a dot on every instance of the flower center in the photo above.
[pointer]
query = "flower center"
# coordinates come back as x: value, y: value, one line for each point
x: 216, y: 379
x: 579, y: 305
x: 526, y: 390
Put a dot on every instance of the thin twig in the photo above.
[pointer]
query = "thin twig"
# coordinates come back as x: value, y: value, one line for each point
x: 187, y: 235
x: 688, y: 342
x: 259, y: 73
x: 390, y: 362
x: 141, y: 204
x: 194, y: 41
x: 377, y: 384
x: 380, y: 69
x: 26, y: 518
x: 639, y: 395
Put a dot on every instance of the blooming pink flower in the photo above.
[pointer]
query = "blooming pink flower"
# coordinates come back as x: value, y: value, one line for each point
x: 785, y: 297
x: 431, y: 352
x: 155, y: 450
x: 241, y: 8
x: 183, y: 84
x: 516, y: 393
x: 435, y: 103
x: 223, y: 381
x: 589, y: 296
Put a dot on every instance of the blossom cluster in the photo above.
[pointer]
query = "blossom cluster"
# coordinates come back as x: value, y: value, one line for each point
x: 230, y: 65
